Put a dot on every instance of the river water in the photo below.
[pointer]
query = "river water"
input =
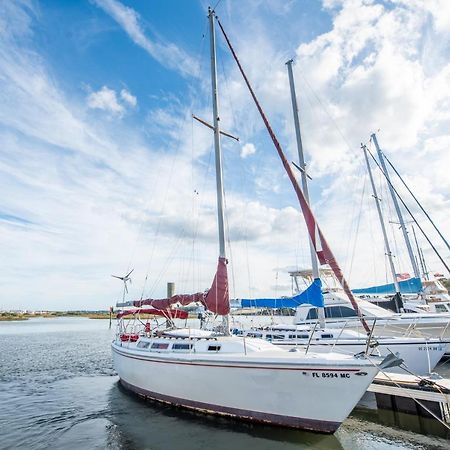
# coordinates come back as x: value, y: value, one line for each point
x: 58, y: 390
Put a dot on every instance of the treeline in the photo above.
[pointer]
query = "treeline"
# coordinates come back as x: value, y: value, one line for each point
x: 7, y: 315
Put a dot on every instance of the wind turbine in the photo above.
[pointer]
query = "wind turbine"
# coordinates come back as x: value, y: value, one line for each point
x: 126, y: 278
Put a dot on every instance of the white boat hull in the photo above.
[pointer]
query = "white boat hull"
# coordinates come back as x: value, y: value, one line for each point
x: 295, y: 392
x: 420, y: 358
x: 410, y: 327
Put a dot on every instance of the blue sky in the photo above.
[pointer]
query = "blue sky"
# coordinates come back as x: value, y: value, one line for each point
x: 103, y: 169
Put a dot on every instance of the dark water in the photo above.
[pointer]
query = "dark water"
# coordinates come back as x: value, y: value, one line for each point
x: 58, y: 390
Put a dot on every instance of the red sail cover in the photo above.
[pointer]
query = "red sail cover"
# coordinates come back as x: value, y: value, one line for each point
x: 215, y: 300
x: 170, y: 313
x: 165, y: 303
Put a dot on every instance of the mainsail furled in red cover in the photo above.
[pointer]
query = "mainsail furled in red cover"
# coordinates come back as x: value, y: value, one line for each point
x: 215, y: 300
x: 323, y: 251
x: 166, y: 303
x: 168, y: 313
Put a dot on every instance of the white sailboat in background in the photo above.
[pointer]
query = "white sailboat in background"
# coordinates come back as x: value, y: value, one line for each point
x: 339, y: 311
x: 411, y: 292
x: 237, y: 376
x: 420, y: 354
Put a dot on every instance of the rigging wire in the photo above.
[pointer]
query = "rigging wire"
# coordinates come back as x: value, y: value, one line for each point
x: 372, y: 220
x: 175, y: 158
x: 167, y: 262
x: 411, y: 214
x: 216, y: 5
x: 158, y: 227
x: 227, y: 225
x: 330, y: 116
x: 194, y: 190
x: 387, y: 207
x: 420, y: 403
x: 357, y: 226
x: 226, y: 211
x: 417, y: 201
x: 227, y: 91
x: 351, y: 224
x: 291, y: 175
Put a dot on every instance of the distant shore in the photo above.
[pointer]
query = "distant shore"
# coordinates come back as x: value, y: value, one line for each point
x: 12, y: 316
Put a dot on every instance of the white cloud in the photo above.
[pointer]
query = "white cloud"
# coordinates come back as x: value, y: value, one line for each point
x: 128, y: 98
x: 376, y: 67
x: 106, y: 100
x: 247, y: 150
x: 166, y: 53
x: 90, y: 196
x: 95, y: 195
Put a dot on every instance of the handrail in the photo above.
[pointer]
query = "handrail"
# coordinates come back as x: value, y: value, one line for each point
x: 310, y: 337
x: 336, y: 341
x: 369, y: 337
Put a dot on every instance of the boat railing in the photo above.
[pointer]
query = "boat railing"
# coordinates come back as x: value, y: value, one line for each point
x: 444, y: 330
x: 310, y: 337
x: 369, y: 337
x: 339, y: 336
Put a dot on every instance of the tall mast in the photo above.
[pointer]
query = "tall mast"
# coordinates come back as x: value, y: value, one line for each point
x: 419, y: 255
x: 217, y: 148
x: 383, y: 228
x: 314, y: 262
x: 397, y: 209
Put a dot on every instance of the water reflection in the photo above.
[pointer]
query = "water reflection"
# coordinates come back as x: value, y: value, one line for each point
x: 138, y: 423
x: 57, y: 392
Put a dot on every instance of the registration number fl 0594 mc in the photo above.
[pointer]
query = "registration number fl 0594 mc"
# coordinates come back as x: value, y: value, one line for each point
x: 330, y: 375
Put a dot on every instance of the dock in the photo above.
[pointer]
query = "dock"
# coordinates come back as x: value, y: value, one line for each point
x: 427, y: 397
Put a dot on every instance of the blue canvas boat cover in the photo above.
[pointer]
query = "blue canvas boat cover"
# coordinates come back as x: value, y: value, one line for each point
x: 411, y: 286
x: 312, y: 295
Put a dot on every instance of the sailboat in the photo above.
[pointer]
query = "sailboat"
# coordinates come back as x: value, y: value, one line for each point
x: 418, y: 291
x: 420, y: 354
x: 247, y: 378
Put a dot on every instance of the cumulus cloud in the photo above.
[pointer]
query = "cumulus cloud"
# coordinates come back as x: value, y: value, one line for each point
x: 247, y: 150
x: 376, y: 67
x: 106, y: 99
x: 71, y: 178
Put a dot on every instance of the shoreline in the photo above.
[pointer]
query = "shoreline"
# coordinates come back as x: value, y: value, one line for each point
x: 11, y: 317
